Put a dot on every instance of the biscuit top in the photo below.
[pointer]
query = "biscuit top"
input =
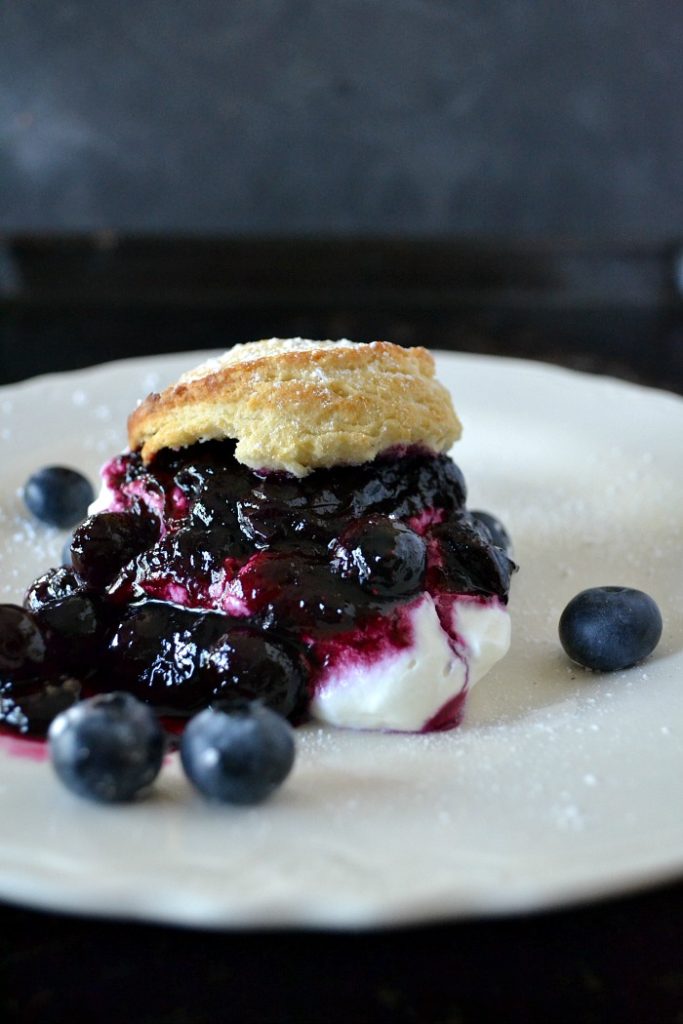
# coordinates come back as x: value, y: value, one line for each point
x: 299, y: 405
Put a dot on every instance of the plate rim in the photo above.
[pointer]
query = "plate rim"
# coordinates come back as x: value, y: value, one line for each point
x: 54, y: 897
x: 559, y: 369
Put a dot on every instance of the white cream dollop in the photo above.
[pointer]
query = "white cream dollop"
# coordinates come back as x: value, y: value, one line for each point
x: 404, y: 689
x: 104, y: 500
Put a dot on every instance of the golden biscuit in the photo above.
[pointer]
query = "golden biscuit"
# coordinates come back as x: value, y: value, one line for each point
x: 299, y: 405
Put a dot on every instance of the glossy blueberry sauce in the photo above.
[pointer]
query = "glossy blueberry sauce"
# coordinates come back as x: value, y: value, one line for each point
x: 203, y: 579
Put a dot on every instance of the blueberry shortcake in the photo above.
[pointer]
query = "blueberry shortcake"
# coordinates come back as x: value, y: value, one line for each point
x: 287, y: 525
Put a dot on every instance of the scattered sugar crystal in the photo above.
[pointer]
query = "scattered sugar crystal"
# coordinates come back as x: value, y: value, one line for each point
x: 568, y: 818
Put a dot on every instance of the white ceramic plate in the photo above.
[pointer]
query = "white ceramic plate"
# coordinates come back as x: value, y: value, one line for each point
x: 560, y: 785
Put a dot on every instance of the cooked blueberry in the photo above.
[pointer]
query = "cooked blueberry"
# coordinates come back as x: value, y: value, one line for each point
x: 471, y: 564
x: 107, y: 541
x: 159, y: 651
x: 285, y: 590
x: 202, y: 551
x: 22, y: 646
x: 267, y: 526
x: 30, y: 706
x: 404, y: 486
x: 187, y: 557
x: 279, y: 489
x: 191, y: 479
x: 53, y: 585
x: 439, y: 482
x: 192, y: 467
x: 72, y: 631
x: 245, y: 664
x: 385, y: 557
x: 610, y: 628
x: 58, y: 495
x: 322, y: 501
x: 239, y: 755
x: 153, y: 653
x: 262, y: 524
x: 107, y: 748
x: 128, y: 468
x: 495, y: 529
x: 215, y: 504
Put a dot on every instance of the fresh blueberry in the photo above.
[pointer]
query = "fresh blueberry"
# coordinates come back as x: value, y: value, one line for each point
x: 245, y: 664
x: 495, y: 529
x: 58, y: 495
x: 238, y: 755
x: 385, y: 557
x: 107, y: 748
x: 610, y: 628
x: 104, y: 543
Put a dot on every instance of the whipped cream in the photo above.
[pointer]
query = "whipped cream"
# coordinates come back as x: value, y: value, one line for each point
x: 405, y: 689
x: 106, y: 501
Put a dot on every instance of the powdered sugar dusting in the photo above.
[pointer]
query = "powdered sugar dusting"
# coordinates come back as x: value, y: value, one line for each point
x: 267, y: 347
x: 24, y: 538
x: 78, y: 426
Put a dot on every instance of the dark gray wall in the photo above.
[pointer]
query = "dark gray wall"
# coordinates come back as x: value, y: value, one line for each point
x: 523, y: 118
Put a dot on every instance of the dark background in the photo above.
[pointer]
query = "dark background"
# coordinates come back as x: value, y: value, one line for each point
x: 485, y: 118
x: 497, y: 176
x: 491, y: 175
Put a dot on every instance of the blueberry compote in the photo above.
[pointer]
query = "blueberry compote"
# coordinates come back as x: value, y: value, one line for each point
x: 204, y: 580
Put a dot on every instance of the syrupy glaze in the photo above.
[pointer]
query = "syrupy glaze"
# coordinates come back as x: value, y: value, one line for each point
x: 201, y: 547
x: 449, y: 715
